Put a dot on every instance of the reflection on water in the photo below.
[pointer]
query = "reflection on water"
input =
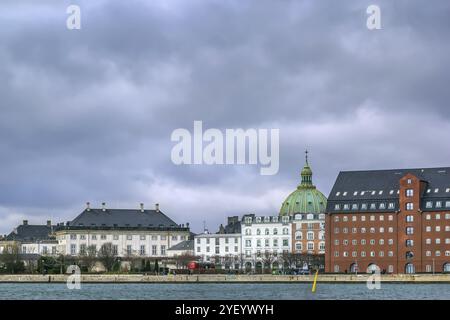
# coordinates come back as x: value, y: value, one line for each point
x: 300, y: 291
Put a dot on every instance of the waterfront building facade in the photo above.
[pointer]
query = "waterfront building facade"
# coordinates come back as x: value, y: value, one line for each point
x: 306, y: 208
x: 265, y: 240
x: 396, y: 220
x: 219, y: 248
x: 32, y: 239
x: 132, y: 232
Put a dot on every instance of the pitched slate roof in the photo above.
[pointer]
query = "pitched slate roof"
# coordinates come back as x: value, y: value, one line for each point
x: 382, y: 186
x: 123, y: 218
x: 185, y: 245
x: 31, y: 233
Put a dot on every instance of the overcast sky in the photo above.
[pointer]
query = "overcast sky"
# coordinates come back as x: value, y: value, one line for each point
x: 86, y: 115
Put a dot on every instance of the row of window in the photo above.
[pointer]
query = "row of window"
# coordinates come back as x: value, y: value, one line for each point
x: 363, y: 218
x: 267, y: 219
x: 128, y: 250
x: 437, y: 204
x: 363, y: 254
x: 363, y: 242
x: 44, y: 250
x: 365, y: 206
x: 310, y: 225
x: 285, y: 243
x: 309, y: 246
x: 371, y: 230
x: 128, y: 237
x: 248, y: 231
x: 409, y: 192
x: 217, y: 249
x: 260, y: 254
x: 217, y: 240
x: 309, y: 235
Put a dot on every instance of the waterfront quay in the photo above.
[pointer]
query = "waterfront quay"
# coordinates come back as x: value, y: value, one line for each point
x: 137, y: 278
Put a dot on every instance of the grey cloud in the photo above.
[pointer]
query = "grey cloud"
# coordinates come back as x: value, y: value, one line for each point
x: 87, y: 115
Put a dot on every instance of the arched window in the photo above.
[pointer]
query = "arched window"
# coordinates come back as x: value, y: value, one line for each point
x: 353, y: 268
x: 409, y: 268
x: 275, y: 231
x: 285, y: 230
x: 258, y: 232
x: 298, y: 246
x: 267, y: 231
x: 298, y: 235
x: 446, y: 267
x: 248, y: 231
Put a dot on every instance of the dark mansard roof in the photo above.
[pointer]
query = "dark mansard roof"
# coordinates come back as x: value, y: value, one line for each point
x: 379, y: 190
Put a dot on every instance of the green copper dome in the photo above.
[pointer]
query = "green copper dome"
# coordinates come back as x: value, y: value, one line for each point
x: 306, y: 199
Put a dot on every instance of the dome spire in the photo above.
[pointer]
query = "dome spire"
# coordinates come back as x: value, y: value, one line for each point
x: 306, y: 174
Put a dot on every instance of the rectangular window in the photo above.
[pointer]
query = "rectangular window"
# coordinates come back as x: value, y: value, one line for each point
x: 409, y: 230
x: 73, y: 249
x: 129, y: 250
x: 409, y: 192
x: 115, y: 249
x: 142, y: 237
x: 154, y: 250
x: 163, y: 250
x: 409, y: 218
x: 142, y: 250
x: 410, y: 206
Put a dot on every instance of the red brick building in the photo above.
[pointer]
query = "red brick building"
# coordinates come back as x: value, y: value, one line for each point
x: 398, y: 220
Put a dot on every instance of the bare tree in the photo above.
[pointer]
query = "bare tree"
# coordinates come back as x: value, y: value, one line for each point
x: 267, y: 259
x: 107, y: 255
x: 89, y: 257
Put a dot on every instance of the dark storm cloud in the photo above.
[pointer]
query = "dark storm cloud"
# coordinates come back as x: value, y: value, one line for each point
x: 87, y: 115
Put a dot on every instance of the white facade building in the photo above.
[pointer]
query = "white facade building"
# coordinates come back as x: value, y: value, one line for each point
x: 264, y: 240
x: 219, y: 248
x: 132, y: 233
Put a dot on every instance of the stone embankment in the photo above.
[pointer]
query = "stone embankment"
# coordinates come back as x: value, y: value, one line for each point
x: 137, y: 278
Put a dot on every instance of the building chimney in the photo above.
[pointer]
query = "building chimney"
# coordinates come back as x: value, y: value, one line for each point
x: 157, y: 207
x: 88, y: 206
x: 103, y: 206
x: 49, y: 223
x: 25, y: 222
x: 187, y: 224
x: 142, y: 207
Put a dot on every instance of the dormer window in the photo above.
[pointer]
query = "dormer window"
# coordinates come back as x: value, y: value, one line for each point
x: 391, y: 205
x: 337, y: 207
x: 438, y: 204
x: 364, y: 206
x: 373, y: 206
x: 409, y: 181
x: 429, y: 204
x: 355, y: 206
x: 436, y: 190
x: 382, y: 206
x: 346, y: 206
